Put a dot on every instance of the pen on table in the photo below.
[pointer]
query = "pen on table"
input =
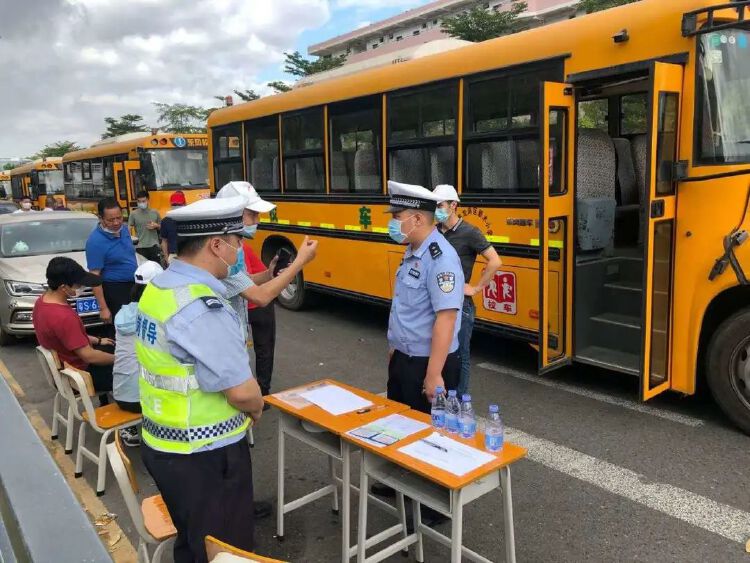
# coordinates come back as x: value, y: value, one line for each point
x: 370, y: 409
x: 436, y: 446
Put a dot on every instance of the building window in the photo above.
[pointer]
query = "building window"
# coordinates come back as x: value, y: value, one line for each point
x: 424, y: 26
x: 375, y: 46
x: 303, y: 151
x: 262, y: 142
x: 382, y: 39
x: 390, y: 36
x: 399, y: 38
x: 434, y: 22
x: 416, y: 32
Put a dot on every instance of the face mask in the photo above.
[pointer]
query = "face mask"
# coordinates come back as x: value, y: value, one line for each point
x: 394, y: 230
x: 143, y: 205
x: 442, y: 215
x: 249, y: 232
x: 111, y: 231
x: 239, y: 263
x: 26, y: 205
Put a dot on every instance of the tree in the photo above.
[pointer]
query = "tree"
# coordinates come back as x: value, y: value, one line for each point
x: 10, y: 165
x: 59, y: 148
x: 591, y: 6
x: 182, y: 118
x: 246, y: 95
x: 128, y: 123
x: 279, y: 87
x: 298, y: 66
x: 480, y: 24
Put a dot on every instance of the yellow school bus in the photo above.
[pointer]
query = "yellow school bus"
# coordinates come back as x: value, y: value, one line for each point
x: 4, y: 185
x: 39, y: 179
x: 606, y: 157
x: 123, y: 166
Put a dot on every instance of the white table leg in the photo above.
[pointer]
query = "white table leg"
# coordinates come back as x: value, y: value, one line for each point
x: 362, y: 519
x: 457, y: 517
x: 417, y: 517
x: 510, y: 540
x: 280, y: 482
x: 346, y: 489
x: 332, y: 470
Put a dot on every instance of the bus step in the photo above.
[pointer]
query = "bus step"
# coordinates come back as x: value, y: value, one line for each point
x: 617, y: 319
x: 610, y: 359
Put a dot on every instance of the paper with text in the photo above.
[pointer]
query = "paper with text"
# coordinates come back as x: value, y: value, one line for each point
x: 335, y: 399
x: 388, y: 430
x: 447, y: 454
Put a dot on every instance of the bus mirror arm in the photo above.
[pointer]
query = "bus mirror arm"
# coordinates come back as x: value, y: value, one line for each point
x: 732, y: 241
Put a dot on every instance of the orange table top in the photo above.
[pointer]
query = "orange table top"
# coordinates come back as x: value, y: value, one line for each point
x: 509, y: 454
x: 343, y: 422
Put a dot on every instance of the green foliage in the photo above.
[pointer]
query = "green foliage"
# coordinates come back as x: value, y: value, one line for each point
x: 591, y: 6
x: 59, y: 148
x: 480, y: 24
x: 9, y: 166
x: 128, y: 123
x: 246, y: 95
x: 298, y: 66
x: 279, y: 87
x: 182, y: 118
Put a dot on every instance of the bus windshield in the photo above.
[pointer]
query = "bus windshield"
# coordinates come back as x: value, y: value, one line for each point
x: 51, y: 182
x: 724, y: 83
x: 178, y: 168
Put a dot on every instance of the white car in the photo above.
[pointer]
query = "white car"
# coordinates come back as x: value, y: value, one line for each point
x: 28, y: 241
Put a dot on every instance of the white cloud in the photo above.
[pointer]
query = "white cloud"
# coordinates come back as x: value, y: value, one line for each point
x: 74, y: 62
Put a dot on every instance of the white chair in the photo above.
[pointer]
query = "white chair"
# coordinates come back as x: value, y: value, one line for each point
x: 151, y: 518
x: 104, y: 420
x: 51, y: 369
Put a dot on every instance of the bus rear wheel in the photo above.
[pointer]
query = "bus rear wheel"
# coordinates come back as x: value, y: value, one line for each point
x: 293, y: 296
x: 728, y: 368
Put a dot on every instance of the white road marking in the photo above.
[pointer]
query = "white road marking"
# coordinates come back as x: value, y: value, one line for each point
x: 712, y: 516
x: 602, y: 397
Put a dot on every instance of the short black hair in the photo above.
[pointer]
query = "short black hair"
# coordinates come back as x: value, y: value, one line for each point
x: 107, y: 203
x: 190, y: 246
x: 25, y: 197
x: 142, y: 193
x: 62, y: 270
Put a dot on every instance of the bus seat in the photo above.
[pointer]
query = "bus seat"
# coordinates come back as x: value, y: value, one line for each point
x: 339, y: 174
x: 528, y: 164
x: 499, y: 166
x: 639, y: 144
x: 307, y: 175
x: 442, y: 166
x: 261, y: 174
x: 626, y: 178
x: 595, y: 189
x: 366, y: 177
x: 407, y: 165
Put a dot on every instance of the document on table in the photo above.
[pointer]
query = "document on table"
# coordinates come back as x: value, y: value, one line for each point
x: 388, y: 430
x: 335, y: 400
x: 447, y: 454
x: 293, y: 396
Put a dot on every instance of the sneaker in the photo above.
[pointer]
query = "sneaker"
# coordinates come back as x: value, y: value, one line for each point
x: 130, y: 437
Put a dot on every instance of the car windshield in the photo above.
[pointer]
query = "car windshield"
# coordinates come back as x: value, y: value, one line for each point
x: 34, y: 238
x: 179, y: 168
x: 724, y: 83
x: 51, y: 182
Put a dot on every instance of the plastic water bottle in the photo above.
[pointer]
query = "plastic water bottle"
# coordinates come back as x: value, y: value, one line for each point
x: 468, y: 421
x: 494, y: 433
x: 452, y: 412
x: 438, y: 408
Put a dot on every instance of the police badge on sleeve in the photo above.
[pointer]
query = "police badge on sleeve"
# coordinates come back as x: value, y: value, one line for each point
x: 446, y: 281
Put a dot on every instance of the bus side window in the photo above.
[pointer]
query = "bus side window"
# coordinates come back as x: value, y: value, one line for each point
x: 262, y: 141
x: 303, y: 151
x: 227, y: 155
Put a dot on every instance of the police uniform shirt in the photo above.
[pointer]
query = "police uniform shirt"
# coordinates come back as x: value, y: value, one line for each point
x: 207, y: 334
x: 430, y: 279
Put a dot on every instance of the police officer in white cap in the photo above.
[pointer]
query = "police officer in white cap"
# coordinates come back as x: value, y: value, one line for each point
x: 196, y: 389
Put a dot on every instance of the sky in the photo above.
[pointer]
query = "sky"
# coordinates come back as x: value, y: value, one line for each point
x: 65, y: 65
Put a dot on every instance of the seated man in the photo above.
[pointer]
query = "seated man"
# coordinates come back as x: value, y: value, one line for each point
x: 58, y: 327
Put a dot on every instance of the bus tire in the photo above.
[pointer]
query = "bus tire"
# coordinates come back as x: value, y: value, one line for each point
x: 293, y: 296
x: 728, y: 368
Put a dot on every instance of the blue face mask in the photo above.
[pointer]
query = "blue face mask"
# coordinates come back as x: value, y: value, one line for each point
x: 442, y: 215
x: 249, y: 232
x: 394, y: 231
x: 239, y: 265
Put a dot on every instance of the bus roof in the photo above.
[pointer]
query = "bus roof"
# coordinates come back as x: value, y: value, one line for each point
x: 146, y: 141
x: 589, y: 38
x: 49, y: 163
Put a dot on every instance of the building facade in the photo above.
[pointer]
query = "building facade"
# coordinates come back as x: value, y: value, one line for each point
x: 423, y: 24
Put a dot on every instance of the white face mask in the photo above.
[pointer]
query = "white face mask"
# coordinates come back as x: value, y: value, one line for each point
x: 26, y: 205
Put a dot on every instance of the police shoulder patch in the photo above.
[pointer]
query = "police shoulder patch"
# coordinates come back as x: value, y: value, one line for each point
x: 212, y: 302
x: 446, y: 281
x: 435, y: 251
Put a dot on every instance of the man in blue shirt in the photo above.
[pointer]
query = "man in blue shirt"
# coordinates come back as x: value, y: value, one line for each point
x: 110, y: 254
x: 424, y: 321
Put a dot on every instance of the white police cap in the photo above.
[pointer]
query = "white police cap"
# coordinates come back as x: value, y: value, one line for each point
x: 409, y: 196
x: 444, y: 192
x: 209, y: 217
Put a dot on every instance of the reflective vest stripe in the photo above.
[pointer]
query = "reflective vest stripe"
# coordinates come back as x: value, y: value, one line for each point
x: 193, y: 434
x: 183, y: 384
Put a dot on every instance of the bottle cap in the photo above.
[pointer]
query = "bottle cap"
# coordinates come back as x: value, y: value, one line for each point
x: 494, y: 408
x: 466, y: 398
x: 439, y: 389
x: 452, y: 393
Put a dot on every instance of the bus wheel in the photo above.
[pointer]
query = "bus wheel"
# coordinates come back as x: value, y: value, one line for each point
x: 728, y: 364
x: 292, y: 297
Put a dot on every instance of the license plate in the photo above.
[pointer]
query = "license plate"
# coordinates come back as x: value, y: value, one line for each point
x: 87, y: 305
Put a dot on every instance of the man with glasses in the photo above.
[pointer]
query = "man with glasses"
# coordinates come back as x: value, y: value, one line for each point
x: 110, y: 254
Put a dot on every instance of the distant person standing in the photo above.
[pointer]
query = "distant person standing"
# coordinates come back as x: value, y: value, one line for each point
x: 49, y: 205
x: 146, y: 221
x: 111, y: 255
x: 169, y: 229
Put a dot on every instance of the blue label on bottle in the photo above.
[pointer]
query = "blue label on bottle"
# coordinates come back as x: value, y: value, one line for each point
x: 451, y: 422
x: 438, y: 419
x: 468, y: 428
x: 493, y: 443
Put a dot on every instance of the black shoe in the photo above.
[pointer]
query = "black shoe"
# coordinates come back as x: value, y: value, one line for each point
x: 130, y: 437
x: 382, y: 490
x: 262, y: 509
x: 432, y: 518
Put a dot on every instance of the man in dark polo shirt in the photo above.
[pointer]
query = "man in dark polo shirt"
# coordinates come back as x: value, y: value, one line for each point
x: 110, y: 254
x: 469, y: 243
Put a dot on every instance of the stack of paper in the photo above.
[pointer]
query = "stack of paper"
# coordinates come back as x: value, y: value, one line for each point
x: 388, y: 430
x: 335, y: 400
x: 447, y: 454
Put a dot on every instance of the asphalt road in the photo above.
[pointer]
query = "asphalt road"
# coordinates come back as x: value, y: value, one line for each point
x: 607, y: 478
